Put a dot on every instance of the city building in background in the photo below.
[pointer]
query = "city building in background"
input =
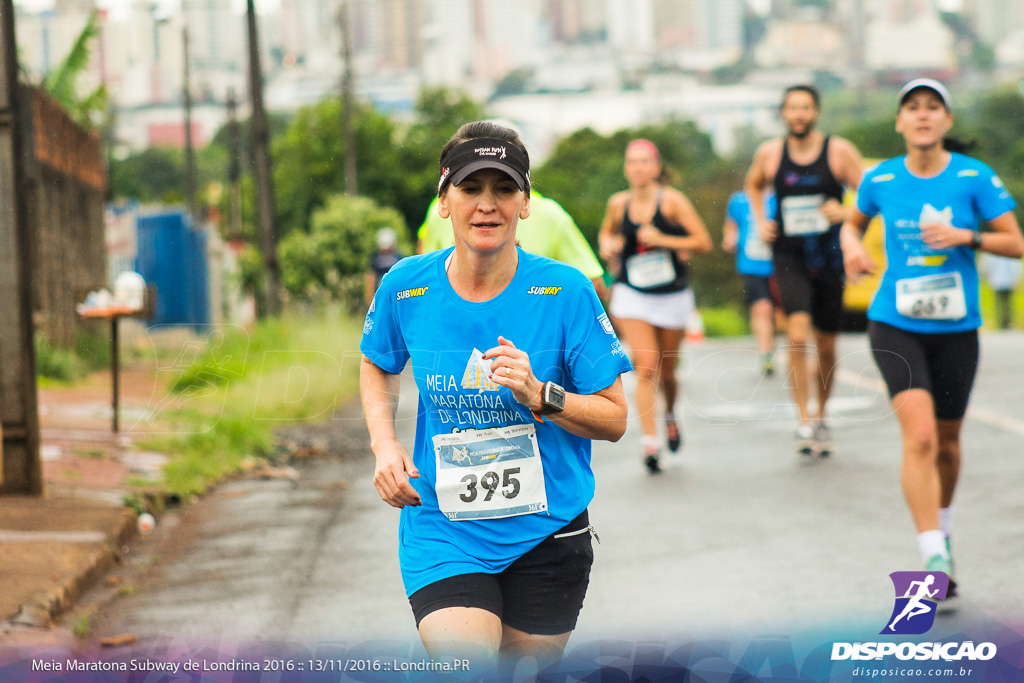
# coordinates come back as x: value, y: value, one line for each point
x: 603, y: 63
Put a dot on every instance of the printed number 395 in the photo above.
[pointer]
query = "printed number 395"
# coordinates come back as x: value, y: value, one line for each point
x: 489, y: 482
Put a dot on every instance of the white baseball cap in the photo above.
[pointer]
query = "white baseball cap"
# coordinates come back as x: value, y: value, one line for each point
x: 386, y: 238
x: 929, y: 83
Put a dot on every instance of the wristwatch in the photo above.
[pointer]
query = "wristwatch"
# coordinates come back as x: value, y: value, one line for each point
x: 976, y: 240
x: 552, y: 398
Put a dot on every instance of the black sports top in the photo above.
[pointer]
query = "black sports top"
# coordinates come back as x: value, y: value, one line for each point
x: 653, y: 270
x: 799, y: 190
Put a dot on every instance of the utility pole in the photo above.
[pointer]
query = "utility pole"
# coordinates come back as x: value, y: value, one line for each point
x: 21, y: 470
x: 190, y: 152
x: 347, y: 99
x: 234, y: 168
x: 262, y: 166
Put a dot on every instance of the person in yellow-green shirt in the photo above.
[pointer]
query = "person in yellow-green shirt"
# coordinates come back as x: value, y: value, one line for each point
x: 549, y: 231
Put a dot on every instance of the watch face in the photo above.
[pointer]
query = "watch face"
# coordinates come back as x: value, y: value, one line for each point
x: 554, y: 397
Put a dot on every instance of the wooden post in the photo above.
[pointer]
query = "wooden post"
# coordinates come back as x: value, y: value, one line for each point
x: 20, y: 465
x: 263, y: 172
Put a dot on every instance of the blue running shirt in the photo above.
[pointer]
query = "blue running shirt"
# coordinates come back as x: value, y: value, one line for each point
x: 937, y: 289
x: 549, y: 310
x: 753, y: 255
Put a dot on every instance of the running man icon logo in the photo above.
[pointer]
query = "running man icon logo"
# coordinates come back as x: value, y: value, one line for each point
x: 916, y: 593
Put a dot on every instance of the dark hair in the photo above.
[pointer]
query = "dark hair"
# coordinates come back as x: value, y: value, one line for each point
x: 802, y: 87
x: 485, y: 129
x: 957, y: 145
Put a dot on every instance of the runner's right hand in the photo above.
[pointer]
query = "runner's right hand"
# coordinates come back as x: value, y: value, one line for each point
x: 611, y: 247
x: 391, y: 475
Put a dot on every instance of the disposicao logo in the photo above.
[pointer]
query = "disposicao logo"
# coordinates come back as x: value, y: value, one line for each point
x: 916, y: 593
x: 913, y: 613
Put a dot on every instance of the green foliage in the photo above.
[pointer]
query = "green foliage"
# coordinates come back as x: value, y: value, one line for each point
x: 156, y: 174
x: 81, y: 625
x: 728, y: 321
x: 876, y: 139
x: 309, y: 162
x: 339, y: 245
x: 229, y: 354
x: 92, y: 348
x: 212, y: 451
x: 54, y: 363
x: 62, y: 83
x: 998, y: 120
x: 514, y: 83
x: 260, y: 387
x: 439, y: 113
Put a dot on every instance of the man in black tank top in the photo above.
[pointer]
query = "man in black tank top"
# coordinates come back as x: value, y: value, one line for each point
x: 808, y: 172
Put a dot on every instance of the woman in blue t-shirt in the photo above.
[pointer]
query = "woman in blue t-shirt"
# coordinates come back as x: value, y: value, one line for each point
x: 517, y: 369
x: 924, y: 318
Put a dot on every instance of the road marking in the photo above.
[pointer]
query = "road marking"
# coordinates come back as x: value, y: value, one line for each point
x: 9, y: 536
x: 982, y: 415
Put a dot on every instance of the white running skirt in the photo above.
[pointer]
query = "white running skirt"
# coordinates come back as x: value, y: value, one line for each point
x: 671, y: 311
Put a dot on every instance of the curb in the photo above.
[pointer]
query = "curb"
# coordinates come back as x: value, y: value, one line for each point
x: 41, y: 610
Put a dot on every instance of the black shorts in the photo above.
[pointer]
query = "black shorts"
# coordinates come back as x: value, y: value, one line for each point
x: 944, y: 365
x: 540, y: 593
x: 757, y: 287
x: 818, y: 292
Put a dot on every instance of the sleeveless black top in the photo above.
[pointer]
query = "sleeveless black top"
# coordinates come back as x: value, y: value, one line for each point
x: 793, y: 180
x: 675, y: 280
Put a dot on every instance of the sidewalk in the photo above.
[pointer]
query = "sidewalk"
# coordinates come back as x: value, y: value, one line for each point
x: 54, y: 547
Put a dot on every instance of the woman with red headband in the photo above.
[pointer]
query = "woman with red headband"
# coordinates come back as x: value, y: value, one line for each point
x: 644, y: 230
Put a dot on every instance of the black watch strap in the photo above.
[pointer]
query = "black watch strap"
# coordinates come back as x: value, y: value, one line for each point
x: 976, y: 240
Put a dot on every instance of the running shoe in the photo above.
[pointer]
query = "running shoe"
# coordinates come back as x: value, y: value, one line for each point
x: 652, y: 464
x: 822, y: 440
x: 674, y: 434
x: 938, y: 563
x: 767, y: 364
x: 803, y: 439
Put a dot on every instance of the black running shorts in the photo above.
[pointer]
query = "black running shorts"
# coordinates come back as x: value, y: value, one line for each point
x: 944, y: 365
x: 757, y: 287
x: 540, y: 593
x: 818, y: 292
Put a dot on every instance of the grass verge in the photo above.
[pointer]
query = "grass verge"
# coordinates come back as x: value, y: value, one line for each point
x: 235, y: 388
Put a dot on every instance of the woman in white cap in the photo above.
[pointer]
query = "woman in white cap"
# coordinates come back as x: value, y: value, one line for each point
x: 381, y: 261
x: 517, y: 369
x: 924, y: 319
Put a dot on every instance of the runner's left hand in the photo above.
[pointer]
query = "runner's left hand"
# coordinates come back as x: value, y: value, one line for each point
x: 510, y: 367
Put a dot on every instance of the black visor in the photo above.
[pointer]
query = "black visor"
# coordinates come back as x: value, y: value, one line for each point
x: 474, y: 155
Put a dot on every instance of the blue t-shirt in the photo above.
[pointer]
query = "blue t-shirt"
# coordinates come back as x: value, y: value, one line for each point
x: 549, y: 310
x: 753, y: 255
x: 920, y: 280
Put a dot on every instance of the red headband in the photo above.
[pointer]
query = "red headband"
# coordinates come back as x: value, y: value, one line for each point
x: 646, y: 144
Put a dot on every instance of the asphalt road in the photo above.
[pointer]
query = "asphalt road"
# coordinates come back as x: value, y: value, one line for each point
x: 739, y: 534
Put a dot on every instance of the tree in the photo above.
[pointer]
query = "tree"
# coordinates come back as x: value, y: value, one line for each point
x: 154, y: 174
x: 62, y: 83
x: 876, y: 139
x: 439, y: 113
x: 309, y: 161
x: 332, y: 257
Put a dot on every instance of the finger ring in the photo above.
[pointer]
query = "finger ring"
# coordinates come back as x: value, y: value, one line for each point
x: 508, y: 372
